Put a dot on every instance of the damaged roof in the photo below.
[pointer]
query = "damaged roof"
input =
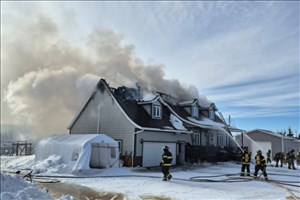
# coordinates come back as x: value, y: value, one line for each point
x: 132, y: 103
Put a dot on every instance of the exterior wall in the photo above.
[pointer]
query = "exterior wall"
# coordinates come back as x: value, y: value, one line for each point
x: 87, y: 122
x: 211, y: 138
x: 290, y: 144
x: 264, y: 137
x: 204, y: 113
x: 103, y: 115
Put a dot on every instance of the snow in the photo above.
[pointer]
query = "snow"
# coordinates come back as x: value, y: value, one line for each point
x: 138, y: 183
x: 16, y: 188
x: 206, y: 121
x: 177, y: 123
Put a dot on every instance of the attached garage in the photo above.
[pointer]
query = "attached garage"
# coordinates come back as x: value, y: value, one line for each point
x: 152, y: 152
x: 80, y: 151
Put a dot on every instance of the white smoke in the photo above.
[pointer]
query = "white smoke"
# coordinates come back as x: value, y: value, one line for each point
x: 46, y: 78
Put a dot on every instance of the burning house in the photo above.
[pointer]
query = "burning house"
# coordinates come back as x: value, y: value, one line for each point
x: 193, y: 132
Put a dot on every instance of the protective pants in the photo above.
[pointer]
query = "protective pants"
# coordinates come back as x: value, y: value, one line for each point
x: 165, y: 171
x: 263, y: 169
x: 245, y: 166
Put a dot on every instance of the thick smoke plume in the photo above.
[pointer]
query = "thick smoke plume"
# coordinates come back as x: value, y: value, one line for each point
x: 46, y: 79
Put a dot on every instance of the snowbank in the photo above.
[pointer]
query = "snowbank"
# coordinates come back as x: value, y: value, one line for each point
x: 13, y: 188
x: 52, y: 164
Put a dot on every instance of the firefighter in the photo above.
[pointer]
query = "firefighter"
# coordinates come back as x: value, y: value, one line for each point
x: 166, y: 163
x: 260, y: 164
x: 291, y: 157
x: 269, y: 156
x: 279, y: 157
x: 246, y: 162
x: 298, y: 158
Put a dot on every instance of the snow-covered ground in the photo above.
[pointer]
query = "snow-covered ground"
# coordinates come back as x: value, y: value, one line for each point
x: 201, y: 181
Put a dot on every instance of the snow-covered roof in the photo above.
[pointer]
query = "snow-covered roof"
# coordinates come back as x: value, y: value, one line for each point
x: 78, y: 139
x: 176, y: 122
x: 270, y: 133
x: 150, y: 101
x: 206, y: 121
x: 190, y: 102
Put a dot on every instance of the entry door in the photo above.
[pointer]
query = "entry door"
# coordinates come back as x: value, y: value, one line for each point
x: 95, y: 156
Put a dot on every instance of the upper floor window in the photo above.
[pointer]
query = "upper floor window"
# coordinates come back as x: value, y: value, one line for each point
x: 195, y: 111
x: 156, y: 111
x: 212, y: 114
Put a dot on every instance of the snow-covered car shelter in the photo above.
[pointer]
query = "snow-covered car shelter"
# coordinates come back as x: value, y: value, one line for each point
x: 80, y: 151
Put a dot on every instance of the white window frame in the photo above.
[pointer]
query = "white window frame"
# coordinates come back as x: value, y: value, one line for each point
x: 197, y: 139
x: 156, y: 111
x: 221, y: 140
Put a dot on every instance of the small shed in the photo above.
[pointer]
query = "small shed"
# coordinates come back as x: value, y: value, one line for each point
x: 80, y: 151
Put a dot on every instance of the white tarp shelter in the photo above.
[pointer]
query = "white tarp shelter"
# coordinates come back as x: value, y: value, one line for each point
x: 80, y: 151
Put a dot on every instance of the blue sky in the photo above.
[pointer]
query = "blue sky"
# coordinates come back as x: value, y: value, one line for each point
x: 244, y: 56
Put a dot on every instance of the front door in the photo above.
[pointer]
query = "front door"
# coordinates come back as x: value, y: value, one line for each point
x: 95, y: 156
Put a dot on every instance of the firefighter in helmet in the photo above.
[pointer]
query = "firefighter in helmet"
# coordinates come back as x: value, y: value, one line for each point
x: 246, y: 162
x: 269, y: 156
x: 260, y: 164
x: 166, y: 163
x: 291, y: 158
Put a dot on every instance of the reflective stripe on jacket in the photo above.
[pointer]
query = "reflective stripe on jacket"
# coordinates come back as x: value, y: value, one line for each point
x: 246, y: 158
x: 260, y: 159
x: 167, y: 159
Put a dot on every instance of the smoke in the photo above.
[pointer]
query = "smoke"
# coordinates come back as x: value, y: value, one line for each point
x: 46, y: 79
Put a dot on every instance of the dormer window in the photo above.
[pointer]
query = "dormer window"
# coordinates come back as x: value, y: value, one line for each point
x: 211, y: 114
x: 195, y: 111
x: 156, y: 111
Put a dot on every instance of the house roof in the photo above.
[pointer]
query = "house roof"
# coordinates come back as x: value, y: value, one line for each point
x: 133, y: 106
x: 131, y: 102
x: 269, y: 133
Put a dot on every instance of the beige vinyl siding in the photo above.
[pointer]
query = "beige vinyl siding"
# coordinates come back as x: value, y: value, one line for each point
x: 159, y: 137
x: 278, y: 143
x: 263, y: 137
x: 87, y: 121
x: 112, y: 121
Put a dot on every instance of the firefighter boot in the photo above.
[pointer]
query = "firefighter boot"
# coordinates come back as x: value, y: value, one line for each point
x: 169, y: 177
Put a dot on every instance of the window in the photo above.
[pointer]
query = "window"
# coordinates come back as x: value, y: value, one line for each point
x: 195, y: 111
x: 156, y: 111
x: 212, y: 114
x: 221, y: 140
x: 197, y: 140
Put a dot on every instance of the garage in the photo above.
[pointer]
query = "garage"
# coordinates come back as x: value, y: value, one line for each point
x: 152, y: 152
x: 265, y: 146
